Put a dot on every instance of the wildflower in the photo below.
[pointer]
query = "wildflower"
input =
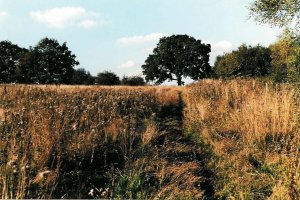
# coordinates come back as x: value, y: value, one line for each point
x: 91, y: 193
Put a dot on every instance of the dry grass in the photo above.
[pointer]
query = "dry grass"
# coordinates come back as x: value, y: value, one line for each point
x: 109, y: 142
x: 66, y: 131
x: 254, y: 134
x: 62, y: 141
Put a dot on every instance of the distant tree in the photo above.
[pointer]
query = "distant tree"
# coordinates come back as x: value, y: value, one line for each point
x: 107, y: 78
x: 82, y: 77
x: 10, y: 55
x: 27, y: 68
x: 176, y: 57
x: 48, y: 62
x: 133, y: 81
x: 245, y: 61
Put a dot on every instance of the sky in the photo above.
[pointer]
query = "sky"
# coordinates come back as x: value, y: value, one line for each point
x: 119, y: 35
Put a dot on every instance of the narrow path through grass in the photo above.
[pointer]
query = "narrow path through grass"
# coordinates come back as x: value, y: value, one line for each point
x: 186, y: 174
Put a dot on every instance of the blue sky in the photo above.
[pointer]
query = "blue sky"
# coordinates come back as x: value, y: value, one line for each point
x: 118, y: 35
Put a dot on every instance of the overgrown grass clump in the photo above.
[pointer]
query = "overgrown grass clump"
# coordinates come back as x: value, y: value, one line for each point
x: 252, y: 131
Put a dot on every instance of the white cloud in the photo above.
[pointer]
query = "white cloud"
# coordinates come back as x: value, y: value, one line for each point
x: 221, y: 47
x: 128, y: 64
x: 3, y: 14
x: 141, y: 39
x: 88, y: 23
x: 254, y: 43
x: 66, y: 16
x: 135, y: 73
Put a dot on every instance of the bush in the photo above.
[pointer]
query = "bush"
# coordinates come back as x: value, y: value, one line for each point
x: 82, y: 77
x: 107, y: 78
x: 133, y: 80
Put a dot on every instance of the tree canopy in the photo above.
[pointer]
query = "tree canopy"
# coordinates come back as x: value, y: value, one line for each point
x: 107, y: 78
x: 10, y: 55
x: 176, y: 57
x: 281, y: 13
x: 133, y: 81
x: 245, y: 61
x: 48, y: 62
x: 82, y: 77
x: 280, y: 54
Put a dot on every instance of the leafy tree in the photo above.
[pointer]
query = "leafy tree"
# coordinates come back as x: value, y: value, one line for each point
x: 107, y: 78
x: 226, y: 65
x: 281, y: 54
x: 27, y: 69
x: 245, y: 61
x: 82, y: 77
x: 10, y: 55
x: 281, y: 13
x: 133, y: 80
x: 175, y: 57
x: 284, y: 14
x: 293, y: 60
x: 48, y: 62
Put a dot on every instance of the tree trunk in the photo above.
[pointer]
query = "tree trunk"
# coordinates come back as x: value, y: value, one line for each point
x: 179, y: 81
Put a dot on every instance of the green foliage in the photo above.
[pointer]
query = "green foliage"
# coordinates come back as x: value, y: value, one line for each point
x: 131, y: 185
x: 133, y: 80
x: 293, y: 70
x: 280, y: 52
x: 225, y: 66
x: 107, y: 78
x: 176, y: 57
x: 82, y: 77
x: 285, y: 55
x: 48, y: 62
x: 245, y: 61
x: 10, y: 55
x: 281, y: 13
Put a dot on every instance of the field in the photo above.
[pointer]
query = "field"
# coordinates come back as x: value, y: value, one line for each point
x: 210, y: 140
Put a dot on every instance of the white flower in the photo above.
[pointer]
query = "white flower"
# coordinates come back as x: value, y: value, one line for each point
x: 91, y: 193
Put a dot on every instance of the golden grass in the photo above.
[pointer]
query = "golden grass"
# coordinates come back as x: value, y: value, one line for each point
x: 253, y: 129
x: 53, y: 134
x: 46, y: 128
x: 56, y: 140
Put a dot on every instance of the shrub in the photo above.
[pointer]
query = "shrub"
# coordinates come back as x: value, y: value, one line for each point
x: 133, y: 80
x: 107, y: 78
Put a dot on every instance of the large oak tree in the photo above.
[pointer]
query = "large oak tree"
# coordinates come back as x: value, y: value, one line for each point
x: 176, y: 57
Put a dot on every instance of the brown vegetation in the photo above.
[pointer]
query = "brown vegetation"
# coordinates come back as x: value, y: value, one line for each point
x: 213, y: 139
x: 253, y: 132
x: 86, y: 142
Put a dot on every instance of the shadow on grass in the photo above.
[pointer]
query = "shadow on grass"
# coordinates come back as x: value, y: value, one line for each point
x: 177, y: 148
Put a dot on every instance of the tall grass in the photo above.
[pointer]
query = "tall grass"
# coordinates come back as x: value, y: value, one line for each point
x: 253, y: 131
x: 61, y: 142
x: 117, y: 142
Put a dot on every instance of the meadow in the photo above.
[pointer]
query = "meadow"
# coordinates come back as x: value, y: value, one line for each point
x: 213, y: 139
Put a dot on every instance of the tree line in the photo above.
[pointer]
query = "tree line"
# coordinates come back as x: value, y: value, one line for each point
x: 279, y: 62
x: 180, y: 56
x: 174, y: 58
x: 51, y: 63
